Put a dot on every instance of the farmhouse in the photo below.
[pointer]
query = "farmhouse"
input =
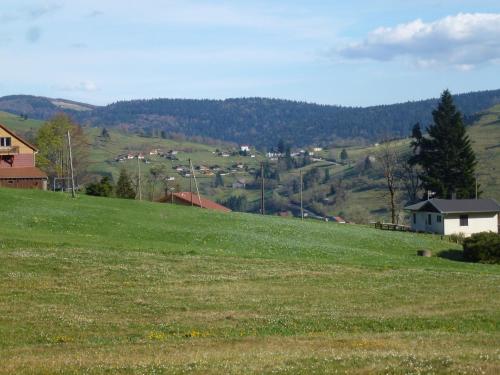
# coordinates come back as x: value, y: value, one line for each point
x: 187, y: 198
x: 17, y: 162
x: 455, y: 216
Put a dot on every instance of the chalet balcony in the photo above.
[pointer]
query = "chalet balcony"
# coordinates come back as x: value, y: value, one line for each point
x: 12, y: 150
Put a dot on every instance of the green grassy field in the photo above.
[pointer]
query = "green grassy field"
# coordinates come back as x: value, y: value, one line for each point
x: 97, y: 285
x: 17, y: 124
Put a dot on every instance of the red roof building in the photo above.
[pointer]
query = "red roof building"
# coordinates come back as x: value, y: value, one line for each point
x: 17, y: 162
x: 187, y: 198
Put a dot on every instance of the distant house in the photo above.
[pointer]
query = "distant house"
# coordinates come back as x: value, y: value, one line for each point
x: 244, y: 148
x: 187, y: 198
x: 338, y: 219
x: 17, y: 163
x: 454, y: 216
x: 317, y: 149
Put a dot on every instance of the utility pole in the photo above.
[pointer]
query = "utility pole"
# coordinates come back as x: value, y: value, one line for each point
x: 73, y: 194
x: 301, y: 201
x: 262, y: 209
x: 195, y: 185
x: 139, y: 178
x: 190, y: 183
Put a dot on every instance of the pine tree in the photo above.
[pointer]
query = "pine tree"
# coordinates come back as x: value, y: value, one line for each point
x: 344, y: 156
x: 124, y: 187
x: 446, y: 156
x: 218, y: 180
x: 105, y: 134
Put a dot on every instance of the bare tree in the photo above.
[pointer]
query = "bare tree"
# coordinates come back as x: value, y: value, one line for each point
x: 409, y: 176
x: 390, y: 163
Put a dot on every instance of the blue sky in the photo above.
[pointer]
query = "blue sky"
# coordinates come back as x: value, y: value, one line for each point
x: 355, y: 53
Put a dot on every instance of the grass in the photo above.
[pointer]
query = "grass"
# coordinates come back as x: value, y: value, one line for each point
x: 18, y: 124
x: 98, y: 285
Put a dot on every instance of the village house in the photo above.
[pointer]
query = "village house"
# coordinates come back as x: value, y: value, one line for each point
x: 17, y: 163
x: 244, y: 148
x: 454, y: 216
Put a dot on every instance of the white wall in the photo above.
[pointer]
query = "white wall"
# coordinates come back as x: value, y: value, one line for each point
x: 478, y: 222
x: 422, y: 223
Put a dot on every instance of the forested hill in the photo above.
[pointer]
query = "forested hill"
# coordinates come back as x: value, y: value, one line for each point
x: 262, y: 122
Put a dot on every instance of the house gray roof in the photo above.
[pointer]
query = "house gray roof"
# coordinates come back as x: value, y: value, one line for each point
x: 456, y: 205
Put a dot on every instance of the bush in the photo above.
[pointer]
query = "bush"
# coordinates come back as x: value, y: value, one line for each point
x: 482, y: 247
x: 457, y: 238
x: 104, y: 188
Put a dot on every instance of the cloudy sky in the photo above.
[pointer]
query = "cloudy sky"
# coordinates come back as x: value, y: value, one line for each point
x: 358, y: 52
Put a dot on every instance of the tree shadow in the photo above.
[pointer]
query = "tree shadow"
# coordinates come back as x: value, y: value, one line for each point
x: 452, y: 254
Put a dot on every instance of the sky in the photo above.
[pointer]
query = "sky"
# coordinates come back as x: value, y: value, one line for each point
x: 352, y: 53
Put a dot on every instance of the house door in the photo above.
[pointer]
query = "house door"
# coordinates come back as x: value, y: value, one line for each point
x: 428, y: 223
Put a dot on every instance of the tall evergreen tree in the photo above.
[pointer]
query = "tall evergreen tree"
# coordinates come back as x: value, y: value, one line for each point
x: 124, y: 187
x: 218, y: 180
x: 445, y: 155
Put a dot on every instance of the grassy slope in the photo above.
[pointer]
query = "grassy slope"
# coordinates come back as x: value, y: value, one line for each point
x: 17, y: 124
x: 485, y: 136
x: 98, y: 284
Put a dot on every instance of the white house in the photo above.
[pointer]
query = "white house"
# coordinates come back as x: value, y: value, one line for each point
x: 454, y: 216
x: 244, y: 148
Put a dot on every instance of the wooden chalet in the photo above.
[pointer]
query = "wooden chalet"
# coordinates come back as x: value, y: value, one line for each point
x: 17, y: 162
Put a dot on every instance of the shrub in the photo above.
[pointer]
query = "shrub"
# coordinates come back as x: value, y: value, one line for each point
x: 457, y: 238
x: 104, y: 188
x: 482, y: 247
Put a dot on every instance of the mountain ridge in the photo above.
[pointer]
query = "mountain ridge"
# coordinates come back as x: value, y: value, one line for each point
x: 258, y: 121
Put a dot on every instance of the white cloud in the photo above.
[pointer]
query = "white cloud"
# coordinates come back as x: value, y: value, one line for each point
x: 463, y: 41
x: 84, y: 86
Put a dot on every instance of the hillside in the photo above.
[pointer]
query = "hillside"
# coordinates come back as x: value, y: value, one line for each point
x: 100, y: 285
x: 257, y: 121
x: 364, y: 191
x: 485, y: 136
x: 41, y: 108
x: 360, y: 196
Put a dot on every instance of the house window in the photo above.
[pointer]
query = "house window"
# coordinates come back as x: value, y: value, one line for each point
x: 414, y: 218
x: 5, y: 141
x: 464, y: 220
x: 438, y: 218
x: 429, y: 219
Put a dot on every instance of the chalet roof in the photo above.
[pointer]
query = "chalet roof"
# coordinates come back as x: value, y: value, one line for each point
x: 19, y: 138
x: 23, y: 172
x: 456, y: 205
x: 205, y: 203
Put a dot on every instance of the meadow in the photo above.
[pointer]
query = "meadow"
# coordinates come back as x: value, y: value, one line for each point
x: 99, y: 285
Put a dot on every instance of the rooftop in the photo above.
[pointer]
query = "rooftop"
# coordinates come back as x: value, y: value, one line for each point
x: 456, y: 205
x: 205, y: 203
x: 23, y: 172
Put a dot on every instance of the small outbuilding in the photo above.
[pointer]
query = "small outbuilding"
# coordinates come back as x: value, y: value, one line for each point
x: 454, y: 216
